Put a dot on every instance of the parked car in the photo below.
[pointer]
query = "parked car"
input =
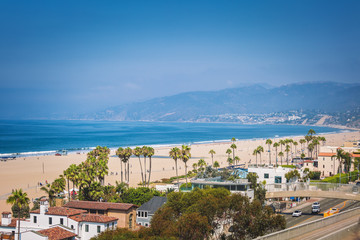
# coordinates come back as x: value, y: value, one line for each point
x: 358, y: 184
x: 316, y: 209
x: 296, y: 213
x: 316, y: 204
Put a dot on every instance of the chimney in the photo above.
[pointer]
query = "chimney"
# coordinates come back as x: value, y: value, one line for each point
x: 5, y: 218
x: 44, y: 206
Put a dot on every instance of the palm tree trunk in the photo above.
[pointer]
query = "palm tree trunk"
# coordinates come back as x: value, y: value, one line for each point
x: 269, y: 154
x: 256, y: 160
x: 186, y: 174
x: 149, y: 171
x: 122, y: 179
x: 144, y: 170
x: 177, y: 175
x: 141, y: 170
x: 276, y: 156
x: 68, y: 188
x: 128, y: 170
x: 212, y: 159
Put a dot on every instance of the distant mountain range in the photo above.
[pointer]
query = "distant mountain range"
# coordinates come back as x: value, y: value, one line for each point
x: 325, y: 97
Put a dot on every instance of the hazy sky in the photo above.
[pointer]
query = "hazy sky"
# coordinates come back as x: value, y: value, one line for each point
x: 78, y: 56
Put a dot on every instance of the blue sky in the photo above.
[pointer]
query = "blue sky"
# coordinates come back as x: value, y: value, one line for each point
x: 69, y: 57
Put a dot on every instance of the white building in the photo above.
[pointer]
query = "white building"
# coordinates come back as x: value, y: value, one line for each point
x: 68, y: 222
x: 271, y: 174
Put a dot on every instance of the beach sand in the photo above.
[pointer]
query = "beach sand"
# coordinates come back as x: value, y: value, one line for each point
x: 27, y: 172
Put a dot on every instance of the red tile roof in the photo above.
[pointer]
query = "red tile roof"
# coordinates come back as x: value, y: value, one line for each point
x: 93, y: 218
x: 308, y: 161
x: 6, y: 213
x: 61, y: 211
x: 57, y: 233
x: 99, y: 205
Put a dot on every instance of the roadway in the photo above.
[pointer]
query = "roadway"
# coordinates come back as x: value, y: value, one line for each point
x: 326, y: 204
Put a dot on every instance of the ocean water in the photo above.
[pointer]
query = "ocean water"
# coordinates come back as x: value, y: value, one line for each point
x: 32, y: 137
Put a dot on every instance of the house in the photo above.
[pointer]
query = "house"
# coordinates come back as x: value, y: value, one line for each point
x: 147, y: 210
x: 69, y: 223
x: 270, y: 174
x: 124, y: 212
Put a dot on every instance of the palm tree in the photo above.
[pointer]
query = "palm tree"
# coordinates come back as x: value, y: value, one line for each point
x: 216, y: 164
x: 74, y: 175
x: 308, y: 139
x: 236, y: 159
x: 20, y: 199
x: 311, y: 149
x: 339, y: 156
x: 201, y: 163
x: 195, y: 167
x: 185, y: 156
x: 233, y: 146
x: 287, y: 150
x: 260, y: 150
x: 233, y: 139
x: 276, y: 145
x: 282, y: 142
x: 228, y: 151
x: 255, y: 153
x: 269, y: 142
x: 316, y: 143
x: 145, y: 154
x: 302, y: 141
x: 230, y: 160
x: 67, y: 176
x: 150, y: 154
x: 295, y: 145
x: 281, y: 155
x: 311, y: 132
x: 175, y: 154
x: 138, y: 152
x: 120, y: 154
x: 212, y: 152
x: 50, y: 192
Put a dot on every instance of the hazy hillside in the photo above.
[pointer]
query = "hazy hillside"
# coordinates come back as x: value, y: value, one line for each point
x: 324, y: 97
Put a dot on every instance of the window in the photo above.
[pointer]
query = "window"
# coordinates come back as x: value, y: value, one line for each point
x: 323, y: 166
x: 266, y: 175
x: 142, y: 214
x: 107, y: 225
x: 61, y: 221
x: 98, y: 229
x: 145, y: 214
x: 277, y: 179
x: 92, y: 211
x: 112, y: 224
x: 35, y: 219
x: 72, y: 226
x: 138, y: 213
x: 50, y: 220
x: 101, y: 212
x: 86, y: 228
x: 146, y: 224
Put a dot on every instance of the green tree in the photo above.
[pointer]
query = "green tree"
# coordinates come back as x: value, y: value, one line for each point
x: 185, y: 156
x: 138, y: 153
x: 255, y: 153
x: 236, y: 159
x: 150, y: 153
x: 302, y: 141
x: 216, y: 164
x: 50, y: 193
x: 139, y: 196
x: 260, y: 150
x: 193, y: 226
x: 21, y: 200
x: 287, y: 150
x: 230, y: 160
x: 281, y: 155
x: 295, y: 145
x: 294, y: 174
x: 269, y: 142
x: 228, y: 152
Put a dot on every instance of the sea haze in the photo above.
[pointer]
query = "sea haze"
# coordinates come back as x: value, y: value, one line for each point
x: 50, y: 135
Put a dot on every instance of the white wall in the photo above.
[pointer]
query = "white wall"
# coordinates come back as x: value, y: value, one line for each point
x: 272, y: 172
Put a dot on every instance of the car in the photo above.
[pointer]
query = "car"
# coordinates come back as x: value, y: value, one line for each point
x: 358, y: 184
x: 316, y: 209
x: 316, y: 204
x: 296, y: 213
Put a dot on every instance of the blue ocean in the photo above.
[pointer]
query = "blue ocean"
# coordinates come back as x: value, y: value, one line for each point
x: 33, y: 137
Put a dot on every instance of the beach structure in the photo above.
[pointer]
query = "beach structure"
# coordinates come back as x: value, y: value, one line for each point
x: 66, y: 223
x: 146, y: 211
x: 352, y: 144
x: 124, y: 212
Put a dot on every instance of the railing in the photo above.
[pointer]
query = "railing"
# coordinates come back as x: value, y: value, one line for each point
x: 305, y: 186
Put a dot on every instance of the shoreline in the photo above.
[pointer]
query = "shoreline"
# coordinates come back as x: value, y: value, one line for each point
x: 81, y: 150
x: 27, y: 172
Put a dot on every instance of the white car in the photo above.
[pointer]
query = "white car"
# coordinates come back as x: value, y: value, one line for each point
x: 296, y: 213
x: 316, y: 204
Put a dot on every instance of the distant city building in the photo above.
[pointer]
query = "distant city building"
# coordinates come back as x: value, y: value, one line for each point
x: 146, y: 211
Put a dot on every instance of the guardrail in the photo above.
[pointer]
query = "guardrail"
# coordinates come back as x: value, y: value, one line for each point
x: 311, y: 226
x: 305, y: 186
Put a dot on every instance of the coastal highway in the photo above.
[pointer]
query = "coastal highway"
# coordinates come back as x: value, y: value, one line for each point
x: 326, y: 204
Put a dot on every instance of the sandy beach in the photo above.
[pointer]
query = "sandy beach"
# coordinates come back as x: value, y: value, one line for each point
x: 27, y: 172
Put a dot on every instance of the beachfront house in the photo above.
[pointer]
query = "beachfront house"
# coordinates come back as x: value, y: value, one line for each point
x: 146, y: 211
x: 67, y: 222
x: 270, y: 174
x: 124, y: 212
